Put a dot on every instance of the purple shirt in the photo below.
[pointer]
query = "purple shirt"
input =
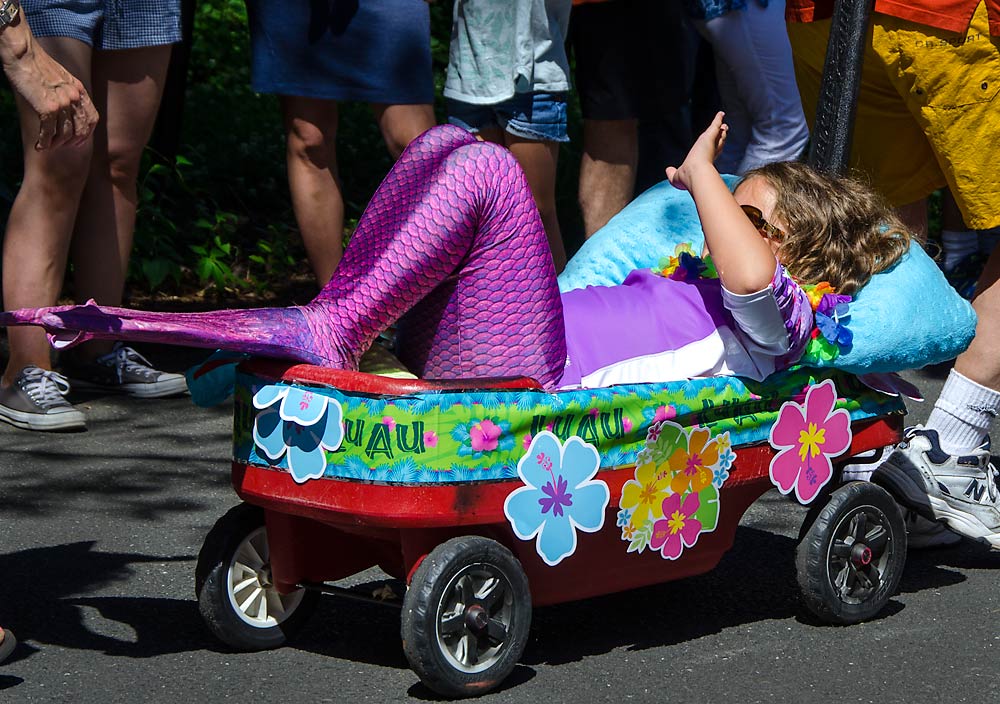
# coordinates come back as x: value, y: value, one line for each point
x: 651, y: 329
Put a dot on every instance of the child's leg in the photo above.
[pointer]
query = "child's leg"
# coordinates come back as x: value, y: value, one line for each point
x: 452, y: 234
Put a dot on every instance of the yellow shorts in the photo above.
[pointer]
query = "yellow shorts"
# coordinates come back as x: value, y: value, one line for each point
x: 928, y: 113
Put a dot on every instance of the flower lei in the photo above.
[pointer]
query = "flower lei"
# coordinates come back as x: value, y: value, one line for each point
x: 830, y: 335
x: 685, y: 265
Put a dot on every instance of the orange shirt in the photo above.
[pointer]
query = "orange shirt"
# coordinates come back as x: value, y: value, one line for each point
x: 950, y: 15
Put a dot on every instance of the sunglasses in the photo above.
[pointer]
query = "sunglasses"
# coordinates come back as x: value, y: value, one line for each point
x: 757, y: 220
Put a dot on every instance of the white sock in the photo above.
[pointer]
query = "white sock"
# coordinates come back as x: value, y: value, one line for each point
x: 963, y: 414
x: 957, y: 246
x: 988, y: 240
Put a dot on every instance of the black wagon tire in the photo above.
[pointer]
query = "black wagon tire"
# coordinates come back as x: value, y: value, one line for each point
x: 236, y: 597
x: 850, y: 559
x: 466, y: 616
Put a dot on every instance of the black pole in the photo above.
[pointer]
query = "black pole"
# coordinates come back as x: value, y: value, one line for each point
x: 166, y: 139
x: 830, y: 149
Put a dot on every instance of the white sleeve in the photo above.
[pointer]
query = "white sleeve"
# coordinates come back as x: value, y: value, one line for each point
x: 760, y: 319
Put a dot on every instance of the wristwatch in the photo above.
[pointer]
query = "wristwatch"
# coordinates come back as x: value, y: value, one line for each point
x: 8, y: 13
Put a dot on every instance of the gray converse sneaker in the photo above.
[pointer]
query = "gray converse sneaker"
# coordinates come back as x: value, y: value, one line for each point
x: 959, y: 491
x: 126, y: 371
x: 37, y: 401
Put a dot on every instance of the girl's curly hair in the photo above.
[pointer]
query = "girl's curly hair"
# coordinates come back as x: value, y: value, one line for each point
x: 837, y: 229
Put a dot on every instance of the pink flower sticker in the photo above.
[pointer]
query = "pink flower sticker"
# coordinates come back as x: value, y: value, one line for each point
x: 485, y: 436
x: 678, y: 528
x: 808, y: 435
x: 430, y: 439
x: 526, y: 443
x: 389, y: 422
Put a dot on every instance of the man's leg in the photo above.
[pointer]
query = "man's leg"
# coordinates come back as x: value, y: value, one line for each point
x: 944, y: 469
x: 607, y: 170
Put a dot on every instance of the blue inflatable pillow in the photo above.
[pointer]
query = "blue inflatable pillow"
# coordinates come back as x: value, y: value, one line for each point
x: 904, y: 318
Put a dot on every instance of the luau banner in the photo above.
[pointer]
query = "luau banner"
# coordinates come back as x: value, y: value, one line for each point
x: 319, y: 432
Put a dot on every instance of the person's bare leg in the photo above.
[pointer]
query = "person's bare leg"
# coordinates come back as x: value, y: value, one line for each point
x: 40, y: 224
x: 401, y: 124
x: 128, y: 85
x: 311, y: 156
x: 539, y: 161
x: 981, y: 362
x: 607, y: 170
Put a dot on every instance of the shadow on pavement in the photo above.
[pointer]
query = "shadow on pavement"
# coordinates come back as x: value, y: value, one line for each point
x: 46, y: 592
x: 755, y: 581
x: 39, y: 588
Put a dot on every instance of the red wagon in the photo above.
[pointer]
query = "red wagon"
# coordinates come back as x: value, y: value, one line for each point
x: 490, y: 497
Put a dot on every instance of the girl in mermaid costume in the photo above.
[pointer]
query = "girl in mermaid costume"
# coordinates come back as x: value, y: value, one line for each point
x: 452, y: 247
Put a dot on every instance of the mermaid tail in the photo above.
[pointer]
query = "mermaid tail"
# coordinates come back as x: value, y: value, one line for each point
x: 451, y: 246
x: 269, y: 332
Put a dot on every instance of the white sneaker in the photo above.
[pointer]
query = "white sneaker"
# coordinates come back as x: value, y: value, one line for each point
x: 959, y: 491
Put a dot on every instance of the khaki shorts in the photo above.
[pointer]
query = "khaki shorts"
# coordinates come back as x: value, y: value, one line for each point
x: 928, y: 112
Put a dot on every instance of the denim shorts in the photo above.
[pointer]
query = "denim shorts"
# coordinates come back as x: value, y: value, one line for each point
x: 537, y: 116
x: 107, y: 24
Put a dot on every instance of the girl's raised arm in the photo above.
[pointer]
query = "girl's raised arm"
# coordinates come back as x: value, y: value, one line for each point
x: 743, y: 258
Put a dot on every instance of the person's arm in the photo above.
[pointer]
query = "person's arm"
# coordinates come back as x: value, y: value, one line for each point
x: 742, y: 257
x: 65, y: 112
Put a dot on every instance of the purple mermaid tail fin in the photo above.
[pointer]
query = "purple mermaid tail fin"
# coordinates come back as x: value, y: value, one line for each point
x: 271, y: 332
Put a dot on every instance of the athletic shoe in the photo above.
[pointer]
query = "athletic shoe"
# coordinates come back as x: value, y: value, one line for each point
x: 37, y: 401
x: 7, y: 644
x: 922, y: 534
x: 959, y: 491
x: 123, y: 370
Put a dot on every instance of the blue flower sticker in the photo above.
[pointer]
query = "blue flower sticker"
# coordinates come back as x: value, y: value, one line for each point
x: 726, y: 458
x: 560, y: 495
x: 719, y: 476
x: 300, y: 425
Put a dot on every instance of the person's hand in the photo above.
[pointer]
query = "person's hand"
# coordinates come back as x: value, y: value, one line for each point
x: 705, y: 151
x: 65, y: 112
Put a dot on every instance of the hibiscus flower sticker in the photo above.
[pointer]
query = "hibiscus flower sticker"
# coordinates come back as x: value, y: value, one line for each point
x: 299, y: 425
x: 559, y: 496
x: 678, y: 528
x: 808, y: 435
x: 644, y: 495
x: 693, y: 467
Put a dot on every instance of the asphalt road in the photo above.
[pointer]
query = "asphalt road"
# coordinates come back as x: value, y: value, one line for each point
x: 100, y: 532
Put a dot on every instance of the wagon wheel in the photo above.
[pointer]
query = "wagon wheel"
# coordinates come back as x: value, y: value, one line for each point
x: 466, y: 616
x: 236, y: 597
x: 851, y: 558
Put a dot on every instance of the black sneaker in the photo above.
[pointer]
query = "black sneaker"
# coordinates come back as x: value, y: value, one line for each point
x: 123, y: 370
x: 37, y: 401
